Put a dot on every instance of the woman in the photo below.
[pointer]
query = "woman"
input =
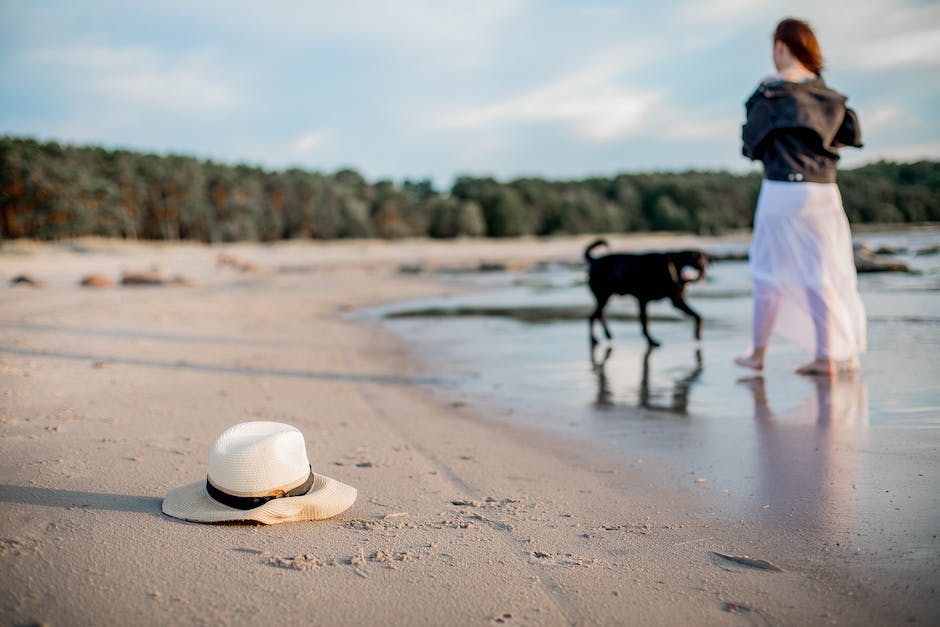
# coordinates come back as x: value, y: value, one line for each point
x: 802, y: 265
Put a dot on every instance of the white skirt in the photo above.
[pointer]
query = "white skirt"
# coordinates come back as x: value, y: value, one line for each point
x: 802, y: 253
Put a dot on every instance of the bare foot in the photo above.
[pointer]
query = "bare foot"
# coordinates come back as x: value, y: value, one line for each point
x: 751, y: 361
x: 825, y: 367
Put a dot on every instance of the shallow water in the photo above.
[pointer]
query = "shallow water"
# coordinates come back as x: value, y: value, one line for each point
x: 856, y: 457
x: 523, y: 338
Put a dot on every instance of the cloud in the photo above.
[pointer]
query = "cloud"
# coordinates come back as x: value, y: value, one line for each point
x: 447, y: 84
x: 870, y: 35
x: 458, y: 30
x: 879, y: 34
x: 481, y: 150
x: 884, y: 118
x: 711, y: 129
x: 142, y: 79
x: 902, y: 50
x: 590, y: 103
x: 309, y: 144
x: 717, y: 10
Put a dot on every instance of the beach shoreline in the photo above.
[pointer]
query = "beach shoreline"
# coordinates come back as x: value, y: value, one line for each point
x: 113, y: 396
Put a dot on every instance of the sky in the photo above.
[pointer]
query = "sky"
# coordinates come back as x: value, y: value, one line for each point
x: 441, y: 88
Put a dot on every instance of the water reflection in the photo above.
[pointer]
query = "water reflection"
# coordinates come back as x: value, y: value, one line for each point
x: 648, y: 396
x: 806, y: 457
x: 605, y: 397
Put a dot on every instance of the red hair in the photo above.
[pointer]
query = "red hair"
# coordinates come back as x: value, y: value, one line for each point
x: 798, y: 36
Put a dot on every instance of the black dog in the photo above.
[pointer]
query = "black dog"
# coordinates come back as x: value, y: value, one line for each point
x: 649, y: 276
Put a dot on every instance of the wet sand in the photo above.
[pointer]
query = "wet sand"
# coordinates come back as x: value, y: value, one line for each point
x: 111, y: 396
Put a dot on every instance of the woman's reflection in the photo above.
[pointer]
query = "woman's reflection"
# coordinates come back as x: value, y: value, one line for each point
x: 806, y: 456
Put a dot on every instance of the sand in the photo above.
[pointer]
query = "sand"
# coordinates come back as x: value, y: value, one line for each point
x: 111, y: 396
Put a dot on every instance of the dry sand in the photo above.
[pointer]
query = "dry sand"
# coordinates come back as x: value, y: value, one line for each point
x: 109, y: 397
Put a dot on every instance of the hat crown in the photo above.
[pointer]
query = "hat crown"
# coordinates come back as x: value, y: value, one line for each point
x: 258, y: 459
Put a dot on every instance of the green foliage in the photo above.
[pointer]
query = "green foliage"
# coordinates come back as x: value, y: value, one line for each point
x: 50, y: 191
x: 505, y: 212
x: 452, y: 217
x: 892, y: 192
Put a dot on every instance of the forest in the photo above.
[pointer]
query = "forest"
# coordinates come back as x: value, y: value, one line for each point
x: 52, y: 191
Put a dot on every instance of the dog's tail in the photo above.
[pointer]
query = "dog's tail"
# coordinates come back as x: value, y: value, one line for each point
x: 587, y: 251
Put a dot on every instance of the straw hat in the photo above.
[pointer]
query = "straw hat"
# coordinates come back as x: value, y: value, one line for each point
x: 259, y: 471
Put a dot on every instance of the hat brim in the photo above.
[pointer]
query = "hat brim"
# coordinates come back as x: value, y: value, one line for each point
x: 326, y: 498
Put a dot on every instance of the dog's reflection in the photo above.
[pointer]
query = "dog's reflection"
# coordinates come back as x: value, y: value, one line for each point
x: 648, y: 397
x: 604, y: 395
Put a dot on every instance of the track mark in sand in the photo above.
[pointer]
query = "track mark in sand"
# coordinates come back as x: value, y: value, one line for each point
x: 359, y: 459
x: 447, y: 522
x: 391, y: 558
x: 552, y: 589
x: 563, y: 559
x: 430, y: 456
x: 643, y: 528
x: 495, y: 524
x: 468, y: 517
x: 17, y: 546
x: 752, y: 615
x: 360, y: 561
x: 506, y: 506
x: 307, y: 561
x: 382, y: 524
x: 728, y: 562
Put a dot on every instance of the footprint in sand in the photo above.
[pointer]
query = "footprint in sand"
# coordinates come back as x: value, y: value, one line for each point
x: 732, y: 563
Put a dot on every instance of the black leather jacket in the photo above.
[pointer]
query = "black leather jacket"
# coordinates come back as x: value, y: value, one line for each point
x: 796, y: 130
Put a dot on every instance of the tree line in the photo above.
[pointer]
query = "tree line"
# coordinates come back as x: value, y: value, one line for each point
x: 52, y: 191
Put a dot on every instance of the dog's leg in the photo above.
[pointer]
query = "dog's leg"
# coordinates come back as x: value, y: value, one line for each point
x: 680, y: 304
x: 644, y: 323
x: 598, y: 314
x: 607, y: 332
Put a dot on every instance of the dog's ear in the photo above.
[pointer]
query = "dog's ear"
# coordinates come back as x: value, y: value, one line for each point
x: 702, y: 260
x: 695, y: 258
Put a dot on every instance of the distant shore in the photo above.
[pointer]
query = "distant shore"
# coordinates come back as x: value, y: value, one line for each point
x: 58, y: 191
